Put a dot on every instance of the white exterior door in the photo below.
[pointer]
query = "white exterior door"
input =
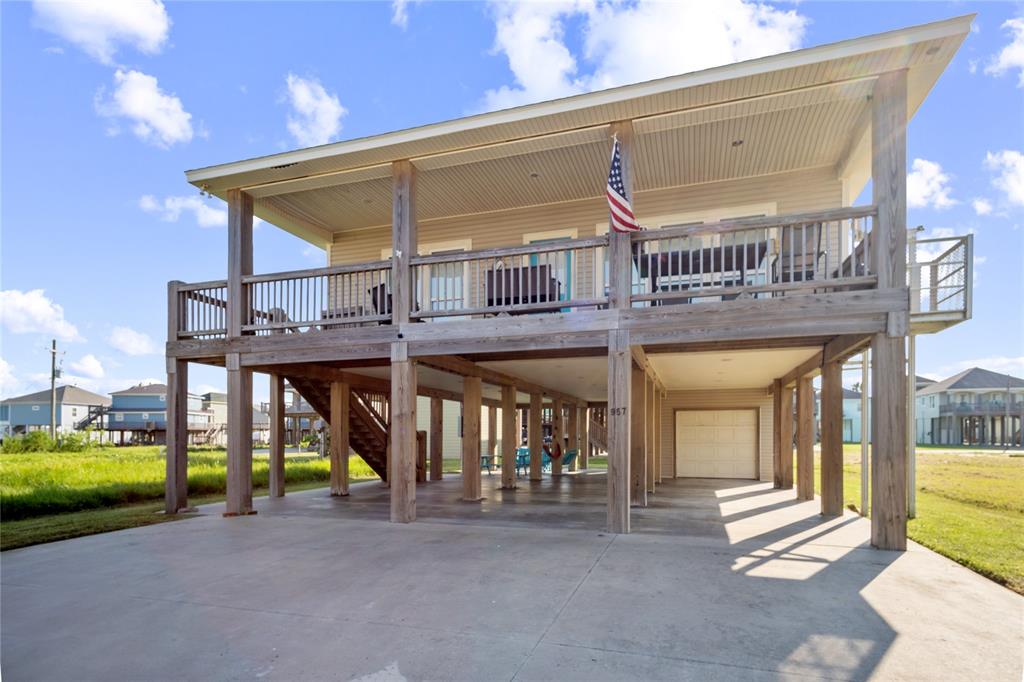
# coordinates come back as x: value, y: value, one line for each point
x: 716, y: 444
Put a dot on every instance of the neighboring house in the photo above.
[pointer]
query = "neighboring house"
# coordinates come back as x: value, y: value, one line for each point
x: 77, y: 409
x: 476, y: 261
x: 138, y: 416
x: 975, y: 407
x: 852, y: 416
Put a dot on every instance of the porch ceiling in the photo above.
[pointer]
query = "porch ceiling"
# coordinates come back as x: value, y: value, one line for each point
x: 802, y: 109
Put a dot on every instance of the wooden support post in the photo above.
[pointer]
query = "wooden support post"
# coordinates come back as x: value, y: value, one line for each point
x: 176, y: 483
x: 509, y: 441
x: 492, y: 434
x: 403, y: 238
x: 421, y: 456
x: 638, y: 441
x: 239, y: 380
x: 888, y: 354
x: 573, y: 430
x: 535, y: 436
x: 557, y: 436
x: 832, y: 439
x: 584, y: 425
x: 777, y: 419
x: 402, y: 469
x: 649, y: 389
x: 341, y: 396
x: 436, y: 439
x: 658, y: 398
x: 784, y: 465
x: 277, y: 435
x: 620, y: 363
x: 804, y: 439
x: 239, y: 475
x: 471, y: 405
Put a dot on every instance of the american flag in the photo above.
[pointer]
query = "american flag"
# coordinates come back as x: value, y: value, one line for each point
x: 622, y: 216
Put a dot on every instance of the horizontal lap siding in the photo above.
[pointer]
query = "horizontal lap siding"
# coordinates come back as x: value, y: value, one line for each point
x: 718, y: 400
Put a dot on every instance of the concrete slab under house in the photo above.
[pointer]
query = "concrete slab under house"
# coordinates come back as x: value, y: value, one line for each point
x: 470, y: 262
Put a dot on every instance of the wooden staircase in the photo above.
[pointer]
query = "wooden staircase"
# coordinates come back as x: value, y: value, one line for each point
x: 368, y: 422
x: 598, y: 433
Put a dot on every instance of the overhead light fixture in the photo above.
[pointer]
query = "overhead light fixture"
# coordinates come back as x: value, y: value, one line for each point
x: 535, y: 175
x: 932, y: 50
x: 737, y: 143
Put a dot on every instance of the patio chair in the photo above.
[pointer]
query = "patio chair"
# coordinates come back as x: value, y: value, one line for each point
x: 486, y: 461
x: 523, y: 460
x: 569, y: 457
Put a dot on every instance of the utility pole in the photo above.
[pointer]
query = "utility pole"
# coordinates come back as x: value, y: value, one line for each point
x: 53, y: 390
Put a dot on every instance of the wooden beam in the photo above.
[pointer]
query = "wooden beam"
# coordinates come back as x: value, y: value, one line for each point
x: 471, y: 484
x: 341, y: 395
x: 436, y: 439
x: 557, y: 436
x: 619, y: 416
x: 638, y: 441
x: 402, y: 470
x: 535, y: 436
x: 509, y: 439
x: 659, y: 397
x: 649, y: 390
x: 466, y: 368
x: 808, y: 367
x: 421, y: 456
x: 176, y: 482
x: 403, y: 238
x: 805, y: 439
x: 888, y: 354
x: 239, y: 474
x: 277, y: 410
x: 841, y: 348
x: 832, y: 439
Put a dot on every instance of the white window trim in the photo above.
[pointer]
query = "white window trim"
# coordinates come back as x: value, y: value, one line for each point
x: 428, y: 248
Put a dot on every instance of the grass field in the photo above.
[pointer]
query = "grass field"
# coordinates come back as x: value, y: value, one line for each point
x: 55, y: 496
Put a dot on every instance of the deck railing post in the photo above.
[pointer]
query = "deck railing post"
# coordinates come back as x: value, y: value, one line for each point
x: 403, y: 239
x: 620, y: 266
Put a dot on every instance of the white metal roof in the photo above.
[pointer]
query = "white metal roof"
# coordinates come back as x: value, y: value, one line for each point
x: 802, y: 109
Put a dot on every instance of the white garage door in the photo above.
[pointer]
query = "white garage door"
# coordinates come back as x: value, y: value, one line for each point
x: 716, y: 443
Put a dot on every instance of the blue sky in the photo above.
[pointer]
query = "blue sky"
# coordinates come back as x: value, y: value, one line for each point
x: 103, y: 110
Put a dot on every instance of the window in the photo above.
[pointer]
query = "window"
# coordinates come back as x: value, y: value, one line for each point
x: 119, y: 417
x: 74, y: 411
x: 35, y: 408
x: 145, y: 415
x: 163, y: 398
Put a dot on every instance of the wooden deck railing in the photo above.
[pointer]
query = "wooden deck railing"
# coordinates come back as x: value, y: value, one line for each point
x: 513, y: 280
x: 759, y: 257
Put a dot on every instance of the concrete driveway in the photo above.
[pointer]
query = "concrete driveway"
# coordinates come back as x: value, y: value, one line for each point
x: 720, y: 580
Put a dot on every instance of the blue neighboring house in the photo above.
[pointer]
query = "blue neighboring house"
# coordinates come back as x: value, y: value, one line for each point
x: 138, y: 415
x: 76, y: 409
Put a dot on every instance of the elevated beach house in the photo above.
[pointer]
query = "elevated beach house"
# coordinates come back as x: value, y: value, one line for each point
x: 471, y: 260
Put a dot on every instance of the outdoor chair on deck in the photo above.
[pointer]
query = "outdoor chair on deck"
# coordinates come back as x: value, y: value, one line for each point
x: 523, y: 460
x: 486, y: 462
x: 508, y: 287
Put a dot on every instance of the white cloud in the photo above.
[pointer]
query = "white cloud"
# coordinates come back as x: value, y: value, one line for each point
x: 127, y: 340
x: 400, y: 12
x: 1011, y: 56
x: 1009, y: 166
x: 982, y: 206
x: 53, y: 49
x: 100, y: 28
x: 316, y: 114
x: 27, y: 312
x: 171, y: 208
x: 998, y: 363
x: 89, y: 366
x: 928, y: 186
x: 155, y: 116
x: 9, y: 384
x: 625, y: 43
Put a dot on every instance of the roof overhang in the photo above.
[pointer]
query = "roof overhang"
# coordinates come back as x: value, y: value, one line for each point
x: 802, y: 109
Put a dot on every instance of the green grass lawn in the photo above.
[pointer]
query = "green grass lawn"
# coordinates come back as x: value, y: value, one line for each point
x: 59, y: 495
x: 970, y: 508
